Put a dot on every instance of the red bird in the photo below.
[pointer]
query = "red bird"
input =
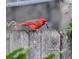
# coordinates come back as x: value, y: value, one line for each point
x: 34, y: 25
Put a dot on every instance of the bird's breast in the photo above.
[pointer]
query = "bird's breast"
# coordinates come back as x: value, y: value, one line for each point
x: 34, y: 27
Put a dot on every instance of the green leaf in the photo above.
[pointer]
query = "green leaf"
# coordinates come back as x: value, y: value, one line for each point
x: 69, y: 30
x: 28, y: 50
x: 11, y: 55
x: 50, y: 56
x: 21, y: 56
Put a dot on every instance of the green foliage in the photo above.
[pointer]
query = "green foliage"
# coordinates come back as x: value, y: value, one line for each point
x: 27, y: 51
x: 11, y: 55
x: 69, y: 30
x: 22, y: 54
x: 50, y: 56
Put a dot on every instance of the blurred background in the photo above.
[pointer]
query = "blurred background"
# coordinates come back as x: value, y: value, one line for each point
x: 56, y: 12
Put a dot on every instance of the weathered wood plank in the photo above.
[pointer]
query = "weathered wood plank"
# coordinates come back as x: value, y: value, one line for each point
x: 41, y: 43
x: 67, y: 52
x: 50, y: 43
x: 7, y: 41
x: 35, y: 44
x: 18, y: 39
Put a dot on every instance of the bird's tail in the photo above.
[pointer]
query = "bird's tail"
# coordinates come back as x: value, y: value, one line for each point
x: 11, y: 23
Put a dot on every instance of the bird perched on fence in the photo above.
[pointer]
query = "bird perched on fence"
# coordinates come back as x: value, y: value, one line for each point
x: 33, y: 25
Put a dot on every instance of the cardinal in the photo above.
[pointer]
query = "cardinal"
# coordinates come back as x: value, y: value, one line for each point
x: 33, y: 25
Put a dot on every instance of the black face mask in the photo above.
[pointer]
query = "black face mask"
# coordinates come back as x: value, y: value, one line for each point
x: 45, y: 24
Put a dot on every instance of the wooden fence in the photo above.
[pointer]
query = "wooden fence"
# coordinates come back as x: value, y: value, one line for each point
x: 42, y: 43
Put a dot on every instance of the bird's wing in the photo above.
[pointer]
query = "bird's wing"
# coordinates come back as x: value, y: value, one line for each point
x: 30, y: 23
x: 25, y: 23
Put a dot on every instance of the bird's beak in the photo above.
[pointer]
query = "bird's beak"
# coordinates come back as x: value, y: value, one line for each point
x: 47, y: 26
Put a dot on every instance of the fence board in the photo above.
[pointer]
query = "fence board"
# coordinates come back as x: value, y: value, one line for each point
x: 42, y: 43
